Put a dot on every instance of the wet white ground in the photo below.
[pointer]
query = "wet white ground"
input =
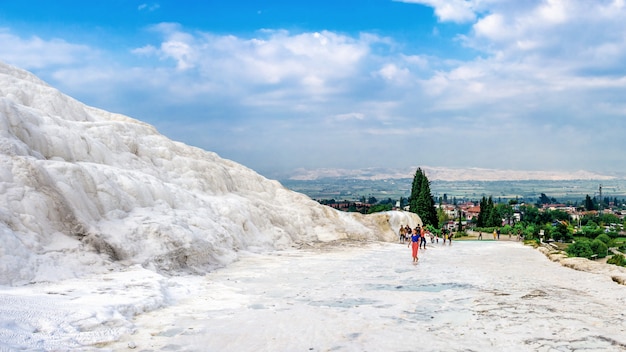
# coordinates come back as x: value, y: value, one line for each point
x: 471, y: 296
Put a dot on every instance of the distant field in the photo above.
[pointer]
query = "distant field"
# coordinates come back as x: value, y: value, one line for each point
x: 529, y: 191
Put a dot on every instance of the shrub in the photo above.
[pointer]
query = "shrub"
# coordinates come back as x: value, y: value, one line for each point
x: 599, y: 248
x: 562, y: 233
x: 580, y: 248
x: 531, y: 232
x: 617, y: 259
x: 591, y: 231
x: 604, y: 238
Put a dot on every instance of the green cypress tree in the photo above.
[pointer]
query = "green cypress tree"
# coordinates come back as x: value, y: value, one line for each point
x: 421, y: 199
x: 429, y: 210
x: 415, y: 190
x: 494, y: 218
x: 480, y: 221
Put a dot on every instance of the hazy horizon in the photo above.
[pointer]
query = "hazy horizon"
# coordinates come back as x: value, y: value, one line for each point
x: 445, y: 174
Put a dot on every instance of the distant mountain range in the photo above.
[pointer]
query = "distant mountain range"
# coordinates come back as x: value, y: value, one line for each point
x: 446, y: 174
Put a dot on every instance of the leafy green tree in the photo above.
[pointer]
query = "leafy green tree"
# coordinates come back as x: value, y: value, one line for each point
x: 442, y: 216
x: 580, y: 248
x: 562, y: 232
x: 379, y: 208
x: 591, y: 230
x: 548, y: 231
x: 608, y: 218
x: 506, y: 212
x: 604, y: 238
x: 531, y: 232
x: 599, y: 248
x: 558, y: 215
x: 530, y: 214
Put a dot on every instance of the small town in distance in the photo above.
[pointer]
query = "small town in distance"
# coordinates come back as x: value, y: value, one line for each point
x: 582, y: 217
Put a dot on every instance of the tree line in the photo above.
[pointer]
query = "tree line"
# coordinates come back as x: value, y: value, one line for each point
x: 594, y: 232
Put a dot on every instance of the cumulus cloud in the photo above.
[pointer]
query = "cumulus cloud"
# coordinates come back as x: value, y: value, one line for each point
x: 526, y: 63
x: 278, y: 61
x: 36, y: 53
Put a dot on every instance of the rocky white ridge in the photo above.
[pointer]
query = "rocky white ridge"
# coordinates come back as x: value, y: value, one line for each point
x: 85, y: 191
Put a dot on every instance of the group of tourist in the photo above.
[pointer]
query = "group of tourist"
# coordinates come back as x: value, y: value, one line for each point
x: 496, y: 235
x: 416, y: 238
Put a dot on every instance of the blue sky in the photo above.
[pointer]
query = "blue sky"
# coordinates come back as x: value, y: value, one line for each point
x: 281, y: 85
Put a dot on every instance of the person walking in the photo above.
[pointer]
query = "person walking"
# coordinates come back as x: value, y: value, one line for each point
x: 422, y: 232
x: 402, y: 234
x: 480, y: 235
x: 414, y: 244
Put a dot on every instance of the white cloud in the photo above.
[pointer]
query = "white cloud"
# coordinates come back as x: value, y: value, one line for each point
x: 148, y: 7
x: 391, y: 72
x: 350, y: 116
x: 450, y: 10
x: 308, y: 62
x: 183, y: 53
x: 146, y: 50
x: 35, y: 52
x: 553, y: 11
x: 493, y: 27
x: 418, y: 61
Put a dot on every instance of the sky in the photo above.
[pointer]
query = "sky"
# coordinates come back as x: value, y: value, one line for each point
x: 282, y: 85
